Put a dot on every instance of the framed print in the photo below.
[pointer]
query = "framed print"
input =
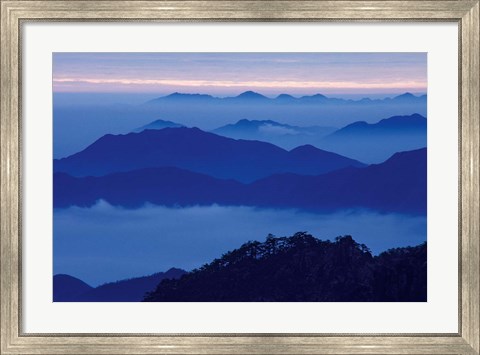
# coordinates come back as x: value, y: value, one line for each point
x: 240, y: 177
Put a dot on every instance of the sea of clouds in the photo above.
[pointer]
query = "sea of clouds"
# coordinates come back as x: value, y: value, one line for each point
x: 106, y: 243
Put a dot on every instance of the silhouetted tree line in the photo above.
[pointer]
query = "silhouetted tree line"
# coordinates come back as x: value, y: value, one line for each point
x: 303, y: 268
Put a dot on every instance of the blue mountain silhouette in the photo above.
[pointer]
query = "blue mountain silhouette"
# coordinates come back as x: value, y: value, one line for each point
x: 197, y: 151
x: 285, y: 97
x: 280, y: 134
x: 310, y: 110
x: 319, y: 98
x: 67, y: 288
x: 249, y: 96
x: 176, y: 96
x: 392, y: 125
x: 158, y: 124
x: 397, y: 185
x: 162, y: 186
x: 375, y: 142
x: 409, y: 97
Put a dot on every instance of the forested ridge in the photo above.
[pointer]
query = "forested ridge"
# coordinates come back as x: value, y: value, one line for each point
x: 303, y: 268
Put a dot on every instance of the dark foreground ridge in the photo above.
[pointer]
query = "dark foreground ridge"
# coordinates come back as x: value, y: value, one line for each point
x: 303, y: 268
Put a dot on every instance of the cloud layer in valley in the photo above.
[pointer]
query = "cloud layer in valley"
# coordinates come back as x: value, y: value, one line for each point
x: 106, y: 243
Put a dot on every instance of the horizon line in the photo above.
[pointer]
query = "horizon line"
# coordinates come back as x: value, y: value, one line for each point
x: 267, y: 96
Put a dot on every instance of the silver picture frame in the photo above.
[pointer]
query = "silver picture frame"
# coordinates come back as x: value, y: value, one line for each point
x: 15, y: 13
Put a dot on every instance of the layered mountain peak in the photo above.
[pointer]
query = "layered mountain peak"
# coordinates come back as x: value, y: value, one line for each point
x: 395, y: 123
x: 362, y: 140
x: 406, y: 95
x: 197, y: 151
x: 178, y: 95
x: 315, y: 97
x: 158, y: 124
x: 251, y: 95
x: 306, y: 148
x: 285, y: 97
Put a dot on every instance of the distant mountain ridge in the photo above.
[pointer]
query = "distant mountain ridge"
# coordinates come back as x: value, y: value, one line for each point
x: 359, y: 139
x: 198, y: 151
x: 283, y: 135
x: 76, y: 127
x: 129, y: 290
x: 250, y: 95
x: 255, y: 125
x: 397, y: 185
x: 392, y: 125
x: 158, y: 124
x: 315, y: 98
x: 374, y: 142
x: 162, y: 186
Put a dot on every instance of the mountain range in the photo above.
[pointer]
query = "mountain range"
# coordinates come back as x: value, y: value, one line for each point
x: 393, y: 125
x: 67, y: 288
x: 397, y: 185
x: 280, y: 134
x: 249, y: 96
x: 75, y: 127
x: 359, y: 140
x: 209, y: 112
x: 374, y: 142
x: 198, y: 151
x: 276, y: 156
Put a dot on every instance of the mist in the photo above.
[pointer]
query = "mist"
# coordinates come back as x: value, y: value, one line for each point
x: 106, y: 243
x: 80, y: 119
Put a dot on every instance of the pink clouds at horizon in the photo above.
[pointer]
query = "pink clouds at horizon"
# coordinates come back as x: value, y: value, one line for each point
x: 227, y: 73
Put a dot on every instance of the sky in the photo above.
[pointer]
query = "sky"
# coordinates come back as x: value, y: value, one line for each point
x: 229, y: 74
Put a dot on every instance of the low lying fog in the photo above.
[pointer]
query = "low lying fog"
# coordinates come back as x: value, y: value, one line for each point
x: 106, y: 243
